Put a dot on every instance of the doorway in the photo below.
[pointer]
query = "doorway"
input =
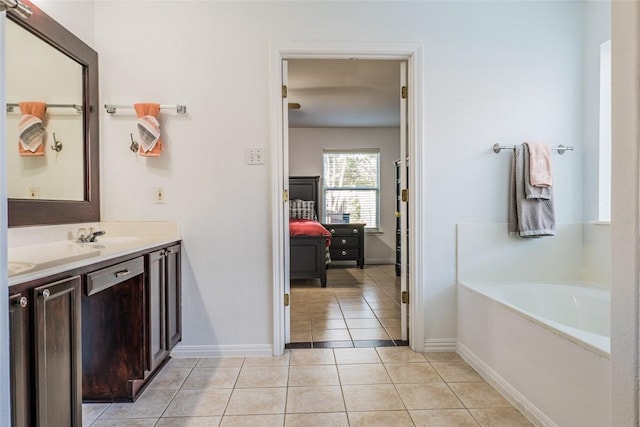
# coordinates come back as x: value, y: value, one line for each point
x: 397, y: 52
x: 344, y: 118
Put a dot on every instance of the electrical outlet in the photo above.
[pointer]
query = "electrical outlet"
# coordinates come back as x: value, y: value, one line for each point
x: 159, y: 196
x: 33, y: 192
x: 254, y: 156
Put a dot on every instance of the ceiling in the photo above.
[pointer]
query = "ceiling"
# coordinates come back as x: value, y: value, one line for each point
x: 344, y: 93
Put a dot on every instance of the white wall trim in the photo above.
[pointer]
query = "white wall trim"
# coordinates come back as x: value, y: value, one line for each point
x: 528, y: 409
x: 440, y: 344
x: 183, y: 351
x: 5, y: 399
x: 412, y: 52
x: 625, y: 212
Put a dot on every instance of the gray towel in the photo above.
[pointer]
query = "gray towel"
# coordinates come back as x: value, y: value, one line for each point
x: 528, y: 217
x: 531, y: 191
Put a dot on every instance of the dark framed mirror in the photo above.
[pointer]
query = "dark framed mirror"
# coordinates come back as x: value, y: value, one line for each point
x: 55, y: 207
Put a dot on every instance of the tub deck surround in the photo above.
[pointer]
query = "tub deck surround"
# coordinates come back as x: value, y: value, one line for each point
x: 553, y: 367
x: 577, y: 311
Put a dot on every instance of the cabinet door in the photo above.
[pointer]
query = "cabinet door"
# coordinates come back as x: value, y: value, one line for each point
x: 156, y: 330
x: 57, y: 352
x: 19, y: 360
x: 173, y: 288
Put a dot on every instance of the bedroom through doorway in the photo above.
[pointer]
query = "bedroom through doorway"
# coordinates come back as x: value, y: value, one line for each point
x: 347, y: 126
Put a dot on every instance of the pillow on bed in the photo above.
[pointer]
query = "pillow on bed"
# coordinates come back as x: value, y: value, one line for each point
x: 302, y: 209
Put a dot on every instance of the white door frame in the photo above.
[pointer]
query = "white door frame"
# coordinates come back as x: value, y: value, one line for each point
x: 412, y: 53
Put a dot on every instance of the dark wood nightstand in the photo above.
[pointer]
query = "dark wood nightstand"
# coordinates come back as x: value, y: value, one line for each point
x: 347, y: 242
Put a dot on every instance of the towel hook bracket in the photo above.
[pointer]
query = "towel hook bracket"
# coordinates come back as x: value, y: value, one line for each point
x: 57, y: 145
x: 134, y: 145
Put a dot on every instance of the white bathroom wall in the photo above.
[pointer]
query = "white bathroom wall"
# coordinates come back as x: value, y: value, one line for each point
x: 596, y: 253
x: 493, y: 72
x: 486, y: 252
x: 491, y: 75
x: 75, y: 15
x: 305, y: 158
x: 578, y: 252
x: 597, y: 29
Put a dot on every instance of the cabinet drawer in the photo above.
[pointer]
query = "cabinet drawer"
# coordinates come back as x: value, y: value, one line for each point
x: 107, y: 277
x: 337, y: 230
x: 339, y: 254
x: 344, y: 241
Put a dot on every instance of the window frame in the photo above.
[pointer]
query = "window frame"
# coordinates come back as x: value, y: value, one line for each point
x: 325, y: 188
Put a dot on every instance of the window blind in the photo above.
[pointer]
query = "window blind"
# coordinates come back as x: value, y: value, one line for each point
x: 351, y: 184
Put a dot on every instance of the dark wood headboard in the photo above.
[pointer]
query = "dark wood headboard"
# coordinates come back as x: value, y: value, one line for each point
x: 304, y: 188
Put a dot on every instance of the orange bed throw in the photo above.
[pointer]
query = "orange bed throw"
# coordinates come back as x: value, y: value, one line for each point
x: 31, y: 130
x: 149, y: 129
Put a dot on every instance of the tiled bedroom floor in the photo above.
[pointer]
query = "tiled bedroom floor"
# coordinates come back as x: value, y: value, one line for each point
x: 383, y: 386
x: 358, y: 308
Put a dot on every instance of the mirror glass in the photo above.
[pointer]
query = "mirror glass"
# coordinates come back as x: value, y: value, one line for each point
x: 48, y: 65
x: 38, y: 72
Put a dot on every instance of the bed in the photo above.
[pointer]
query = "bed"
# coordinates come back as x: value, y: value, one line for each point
x: 308, y: 253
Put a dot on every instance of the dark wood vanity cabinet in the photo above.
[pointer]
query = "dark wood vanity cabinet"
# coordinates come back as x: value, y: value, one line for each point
x: 46, y: 370
x: 98, y: 336
x: 163, y: 294
x: 19, y: 347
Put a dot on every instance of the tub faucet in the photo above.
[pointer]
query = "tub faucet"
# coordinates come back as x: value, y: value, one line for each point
x: 89, y: 237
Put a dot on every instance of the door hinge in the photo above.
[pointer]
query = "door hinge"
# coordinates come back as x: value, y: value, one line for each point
x: 284, y: 91
x: 405, y: 297
x: 286, y: 300
x: 405, y: 92
x: 405, y: 195
x: 285, y: 196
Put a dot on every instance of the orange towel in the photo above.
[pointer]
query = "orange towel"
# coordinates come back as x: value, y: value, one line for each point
x: 540, y: 174
x: 30, y: 110
x: 149, y: 109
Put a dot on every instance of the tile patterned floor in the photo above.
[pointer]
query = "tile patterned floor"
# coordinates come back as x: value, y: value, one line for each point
x: 382, y: 386
x: 358, y: 308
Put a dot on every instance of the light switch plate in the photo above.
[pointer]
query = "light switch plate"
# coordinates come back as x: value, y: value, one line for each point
x: 254, y: 156
x: 159, y: 196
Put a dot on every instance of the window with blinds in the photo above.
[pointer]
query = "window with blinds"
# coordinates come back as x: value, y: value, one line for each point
x: 351, y: 187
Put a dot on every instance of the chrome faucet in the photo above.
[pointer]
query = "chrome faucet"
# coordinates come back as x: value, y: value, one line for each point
x: 90, y: 237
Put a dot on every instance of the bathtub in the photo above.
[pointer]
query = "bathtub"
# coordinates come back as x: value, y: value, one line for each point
x: 545, y: 346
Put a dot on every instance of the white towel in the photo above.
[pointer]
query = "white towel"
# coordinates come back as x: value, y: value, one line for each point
x: 149, y: 131
x: 532, y: 191
x: 31, y: 132
x: 540, y: 174
x: 528, y: 217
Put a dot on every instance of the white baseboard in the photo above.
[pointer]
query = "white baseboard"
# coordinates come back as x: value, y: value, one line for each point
x: 440, y: 344
x: 182, y: 351
x: 528, y: 409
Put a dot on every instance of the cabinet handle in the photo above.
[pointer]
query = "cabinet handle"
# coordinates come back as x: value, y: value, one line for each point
x: 333, y: 230
x: 122, y: 272
x: 344, y: 253
x: 344, y: 241
x: 46, y: 293
x: 355, y: 230
x: 169, y: 252
x: 23, y: 302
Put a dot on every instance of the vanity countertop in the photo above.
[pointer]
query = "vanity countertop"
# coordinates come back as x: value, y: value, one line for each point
x: 27, y: 263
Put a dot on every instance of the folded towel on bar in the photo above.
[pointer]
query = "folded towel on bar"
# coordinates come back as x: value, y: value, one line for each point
x: 531, y: 191
x: 149, y: 129
x: 31, y: 130
x: 528, y: 217
x: 540, y: 165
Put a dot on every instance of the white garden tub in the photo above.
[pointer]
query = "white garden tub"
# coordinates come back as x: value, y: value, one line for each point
x: 544, y: 345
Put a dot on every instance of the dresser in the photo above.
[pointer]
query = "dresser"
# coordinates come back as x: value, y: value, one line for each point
x: 347, y: 242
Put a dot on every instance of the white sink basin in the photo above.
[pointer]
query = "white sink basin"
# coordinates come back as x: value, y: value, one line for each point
x: 17, y: 267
